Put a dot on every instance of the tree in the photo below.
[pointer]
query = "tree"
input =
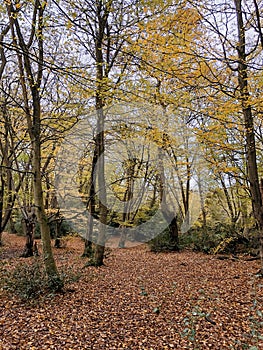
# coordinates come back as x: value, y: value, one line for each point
x: 15, y: 160
x: 29, y: 51
x: 244, y: 97
x: 102, y: 29
x: 229, y: 66
x: 173, y: 34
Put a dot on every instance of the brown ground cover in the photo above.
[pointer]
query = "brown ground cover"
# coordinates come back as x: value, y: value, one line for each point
x: 138, y: 300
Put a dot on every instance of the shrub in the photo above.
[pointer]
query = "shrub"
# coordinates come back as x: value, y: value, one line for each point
x: 29, y: 280
x: 221, y: 238
x: 65, y: 228
x: 162, y: 243
x: 199, y: 239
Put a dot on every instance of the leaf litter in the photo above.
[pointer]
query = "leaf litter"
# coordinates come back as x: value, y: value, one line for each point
x: 137, y: 300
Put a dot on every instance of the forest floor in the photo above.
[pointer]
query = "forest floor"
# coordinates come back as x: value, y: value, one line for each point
x: 137, y: 300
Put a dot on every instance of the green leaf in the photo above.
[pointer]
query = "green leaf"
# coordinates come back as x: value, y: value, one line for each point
x: 156, y: 310
x: 143, y: 293
x: 259, y: 313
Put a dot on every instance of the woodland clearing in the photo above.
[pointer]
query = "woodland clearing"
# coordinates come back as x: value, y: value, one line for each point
x: 137, y: 300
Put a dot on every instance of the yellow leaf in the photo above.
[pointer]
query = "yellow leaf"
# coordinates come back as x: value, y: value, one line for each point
x: 69, y: 24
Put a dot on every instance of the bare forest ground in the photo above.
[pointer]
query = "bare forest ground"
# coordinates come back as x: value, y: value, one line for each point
x: 138, y: 300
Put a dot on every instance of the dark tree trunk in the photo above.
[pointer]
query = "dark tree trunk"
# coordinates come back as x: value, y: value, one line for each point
x: 91, y: 206
x: 251, y: 153
x: 58, y: 223
x: 174, y: 234
x: 166, y: 211
x: 102, y: 13
x: 88, y: 250
x: 29, y: 223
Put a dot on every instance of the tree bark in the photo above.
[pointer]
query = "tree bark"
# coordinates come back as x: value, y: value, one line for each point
x: 91, y: 206
x: 8, y: 191
x: 169, y: 216
x: 101, y: 74
x: 251, y: 153
x: 100, y: 243
x: 29, y: 222
x: 130, y: 170
x: 32, y: 82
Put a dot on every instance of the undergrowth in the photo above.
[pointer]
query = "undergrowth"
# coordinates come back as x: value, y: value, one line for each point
x: 218, y: 239
x: 29, y: 281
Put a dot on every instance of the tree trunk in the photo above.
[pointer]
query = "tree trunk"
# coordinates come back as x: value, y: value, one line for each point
x: 91, y: 205
x: 174, y: 233
x: 29, y: 222
x: 8, y: 192
x: 202, y: 200
x: 251, y: 154
x: 50, y: 264
x: 130, y: 170
x: 100, y: 244
x: 102, y: 14
x: 123, y: 237
x: 169, y: 216
x: 31, y: 84
x: 1, y: 204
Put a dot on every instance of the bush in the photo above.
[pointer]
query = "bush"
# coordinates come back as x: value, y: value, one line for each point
x: 162, y: 243
x: 221, y: 238
x: 65, y: 228
x: 29, y: 280
x: 200, y: 239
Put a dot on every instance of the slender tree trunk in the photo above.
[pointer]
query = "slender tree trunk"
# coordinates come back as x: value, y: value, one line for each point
x: 251, y: 154
x: 202, y: 200
x: 102, y: 14
x: 174, y: 233
x: 2, y: 68
x: 88, y: 252
x: 100, y: 148
x: 231, y: 208
x: 31, y: 84
x: 130, y: 170
x: 2, y: 191
x: 100, y: 244
x: 50, y: 264
x: 7, y: 190
x: 169, y: 216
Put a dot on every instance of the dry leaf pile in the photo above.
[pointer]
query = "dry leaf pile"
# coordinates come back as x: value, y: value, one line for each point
x: 138, y: 300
